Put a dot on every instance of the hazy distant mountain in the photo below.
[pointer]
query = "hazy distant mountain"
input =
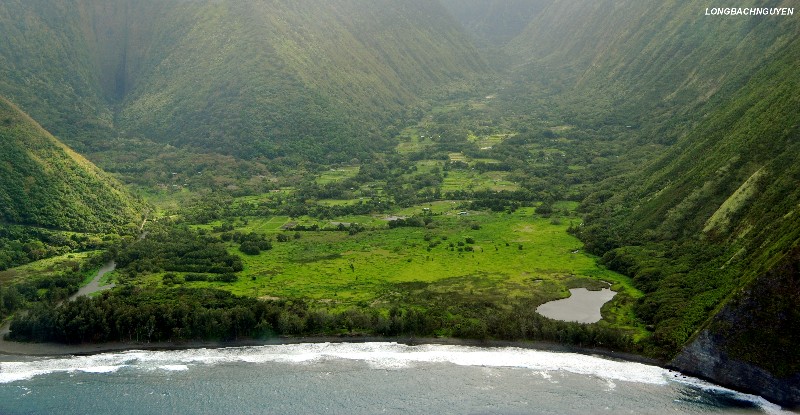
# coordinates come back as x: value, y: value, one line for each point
x: 242, y: 77
x: 637, y: 60
x: 494, y: 22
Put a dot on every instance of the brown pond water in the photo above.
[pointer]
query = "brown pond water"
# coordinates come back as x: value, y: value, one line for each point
x: 582, y: 306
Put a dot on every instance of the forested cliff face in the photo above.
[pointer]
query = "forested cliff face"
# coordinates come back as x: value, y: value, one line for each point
x: 758, y: 325
x: 644, y: 62
x: 246, y: 78
x: 706, y: 214
x: 45, y: 184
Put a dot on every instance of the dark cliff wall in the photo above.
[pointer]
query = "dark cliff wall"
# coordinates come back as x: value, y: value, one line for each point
x: 753, y: 344
x: 706, y: 358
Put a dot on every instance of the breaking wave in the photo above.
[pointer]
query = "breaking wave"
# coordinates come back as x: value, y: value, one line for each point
x: 378, y: 355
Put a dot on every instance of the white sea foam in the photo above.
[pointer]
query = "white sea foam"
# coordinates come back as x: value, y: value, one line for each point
x: 390, y: 356
x: 21, y: 370
x: 174, y: 368
x: 100, y: 369
x: 378, y: 355
x: 764, y: 404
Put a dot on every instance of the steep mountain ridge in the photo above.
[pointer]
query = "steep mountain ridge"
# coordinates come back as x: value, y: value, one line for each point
x: 703, y: 211
x: 43, y: 183
x: 652, y: 63
x: 252, y: 78
x: 47, y: 69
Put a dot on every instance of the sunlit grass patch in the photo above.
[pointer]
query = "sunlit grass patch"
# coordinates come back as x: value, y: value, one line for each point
x: 437, y: 207
x: 473, y: 180
x: 427, y: 166
x: 46, y: 267
x: 457, y: 157
x: 411, y: 139
x: 165, y: 202
x: 338, y: 202
x: 489, y: 141
x: 337, y: 174
x: 566, y: 206
x: 335, y: 265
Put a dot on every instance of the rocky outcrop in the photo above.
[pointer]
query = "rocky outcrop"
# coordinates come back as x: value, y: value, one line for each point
x: 705, y: 358
x: 753, y: 343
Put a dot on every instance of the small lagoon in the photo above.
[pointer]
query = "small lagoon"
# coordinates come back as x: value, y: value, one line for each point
x: 582, y: 306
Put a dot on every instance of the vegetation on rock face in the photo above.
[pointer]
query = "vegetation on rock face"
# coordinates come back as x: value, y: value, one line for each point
x: 52, y: 199
x: 44, y: 183
x: 772, y: 297
x: 704, y: 204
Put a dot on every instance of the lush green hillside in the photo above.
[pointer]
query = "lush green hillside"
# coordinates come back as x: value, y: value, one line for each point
x: 721, y: 205
x: 702, y: 209
x: 46, y: 68
x: 645, y: 64
x: 45, y: 184
x: 306, y: 80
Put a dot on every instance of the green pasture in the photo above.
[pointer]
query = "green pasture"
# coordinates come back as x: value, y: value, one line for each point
x: 566, y: 206
x: 427, y: 166
x: 411, y: 140
x: 437, y: 207
x: 491, y: 256
x: 338, y: 202
x: 454, y: 157
x: 268, y: 224
x: 337, y: 174
x: 45, y: 267
x: 272, y: 195
x: 484, y: 141
x: 166, y: 202
x: 473, y: 180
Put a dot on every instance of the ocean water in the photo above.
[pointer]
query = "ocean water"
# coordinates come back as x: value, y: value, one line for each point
x: 356, y: 378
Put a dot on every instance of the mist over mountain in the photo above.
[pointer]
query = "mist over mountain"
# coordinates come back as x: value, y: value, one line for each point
x: 245, y: 78
x: 668, y: 57
x: 493, y: 23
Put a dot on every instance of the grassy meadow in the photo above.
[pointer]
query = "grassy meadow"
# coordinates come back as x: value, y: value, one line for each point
x: 458, y: 256
x: 47, y: 267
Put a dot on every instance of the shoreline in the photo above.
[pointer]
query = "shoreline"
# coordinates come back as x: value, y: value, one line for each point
x: 11, y: 348
x: 18, y: 350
